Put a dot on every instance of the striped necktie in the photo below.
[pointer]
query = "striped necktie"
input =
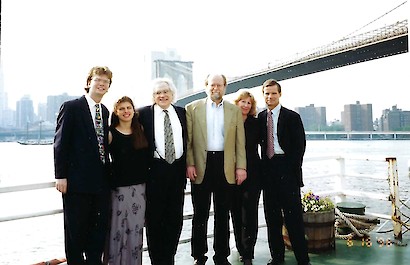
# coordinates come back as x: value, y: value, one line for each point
x: 100, y: 132
x: 169, y: 139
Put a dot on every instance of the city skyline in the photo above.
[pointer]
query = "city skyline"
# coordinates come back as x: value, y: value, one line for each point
x: 234, y: 43
x: 65, y: 96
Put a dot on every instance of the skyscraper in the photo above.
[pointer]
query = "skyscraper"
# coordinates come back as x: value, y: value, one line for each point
x: 314, y: 118
x: 358, y: 117
x: 24, y: 112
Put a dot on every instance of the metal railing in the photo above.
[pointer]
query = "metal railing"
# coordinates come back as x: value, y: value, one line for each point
x: 339, y: 191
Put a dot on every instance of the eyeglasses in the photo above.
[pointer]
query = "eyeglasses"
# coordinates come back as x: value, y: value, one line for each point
x: 104, y: 81
x: 165, y: 92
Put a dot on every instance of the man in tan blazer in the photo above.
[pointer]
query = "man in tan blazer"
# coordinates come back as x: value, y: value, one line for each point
x: 216, y: 161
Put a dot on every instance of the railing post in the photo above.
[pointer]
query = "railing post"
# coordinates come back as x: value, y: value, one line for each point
x: 394, y: 197
x: 340, y: 180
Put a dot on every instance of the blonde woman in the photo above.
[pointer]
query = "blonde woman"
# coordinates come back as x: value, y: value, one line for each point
x: 245, y: 204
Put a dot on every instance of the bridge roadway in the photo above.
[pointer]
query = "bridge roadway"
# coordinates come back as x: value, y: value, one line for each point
x: 379, y: 47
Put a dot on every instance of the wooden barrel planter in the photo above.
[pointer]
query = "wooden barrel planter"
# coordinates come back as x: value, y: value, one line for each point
x: 319, y: 231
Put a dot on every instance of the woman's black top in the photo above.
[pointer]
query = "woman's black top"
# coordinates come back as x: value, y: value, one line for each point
x: 129, y: 165
x: 252, y: 154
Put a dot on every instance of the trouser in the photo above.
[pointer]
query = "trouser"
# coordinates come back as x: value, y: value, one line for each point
x: 164, y: 215
x: 214, y: 183
x: 85, y: 227
x: 245, y: 218
x: 282, y: 204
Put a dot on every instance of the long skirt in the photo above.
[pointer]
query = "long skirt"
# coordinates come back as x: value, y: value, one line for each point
x: 127, y: 223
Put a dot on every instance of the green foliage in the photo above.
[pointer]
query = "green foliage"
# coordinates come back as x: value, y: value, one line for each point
x: 314, y: 203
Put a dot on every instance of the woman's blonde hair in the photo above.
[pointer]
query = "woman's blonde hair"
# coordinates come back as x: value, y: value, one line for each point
x: 246, y: 94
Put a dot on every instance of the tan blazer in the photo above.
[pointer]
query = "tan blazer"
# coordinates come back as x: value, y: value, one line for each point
x: 234, y: 139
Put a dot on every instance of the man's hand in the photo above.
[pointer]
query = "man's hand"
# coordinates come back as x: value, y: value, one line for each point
x: 191, y: 172
x: 61, y: 185
x: 240, y: 175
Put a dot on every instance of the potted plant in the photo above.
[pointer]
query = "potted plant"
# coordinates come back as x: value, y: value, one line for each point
x: 319, y: 220
x: 313, y: 203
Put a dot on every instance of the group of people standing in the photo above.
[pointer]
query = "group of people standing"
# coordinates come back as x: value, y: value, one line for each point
x: 117, y: 177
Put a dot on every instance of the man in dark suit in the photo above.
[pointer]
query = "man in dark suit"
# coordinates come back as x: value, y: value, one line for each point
x: 165, y: 129
x: 283, y: 144
x: 82, y: 169
x: 216, y: 162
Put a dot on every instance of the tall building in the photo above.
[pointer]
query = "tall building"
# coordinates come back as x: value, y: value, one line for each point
x: 53, y: 106
x: 41, y: 111
x: 24, y: 112
x: 313, y: 118
x: 394, y: 119
x: 358, y: 117
x: 169, y: 64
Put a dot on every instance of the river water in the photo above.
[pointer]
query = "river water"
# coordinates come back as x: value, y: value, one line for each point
x: 37, y: 239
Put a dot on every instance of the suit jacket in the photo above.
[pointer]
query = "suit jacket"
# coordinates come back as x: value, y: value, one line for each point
x: 234, y: 139
x: 146, y: 118
x: 291, y: 137
x: 76, y: 155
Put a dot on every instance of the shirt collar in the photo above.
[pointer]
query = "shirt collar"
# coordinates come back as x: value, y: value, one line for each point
x: 158, y: 109
x: 276, y: 110
x: 91, y: 103
x: 212, y: 104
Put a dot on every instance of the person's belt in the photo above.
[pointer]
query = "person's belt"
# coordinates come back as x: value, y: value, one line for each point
x: 215, y: 152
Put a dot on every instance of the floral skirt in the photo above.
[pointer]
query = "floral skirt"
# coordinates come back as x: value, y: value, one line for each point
x: 127, y: 223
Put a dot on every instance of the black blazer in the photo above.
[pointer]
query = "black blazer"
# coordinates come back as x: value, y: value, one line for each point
x: 146, y: 118
x: 76, y: 155
x: 291, y: 137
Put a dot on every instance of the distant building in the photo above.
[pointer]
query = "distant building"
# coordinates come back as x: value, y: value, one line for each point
x: 24, y: 112
x: 41, y: 111
x: 358, y: 117
x: 394, y: 119
x: 169, y: 64
x: 3, y: 98
x: 313, y: 118
x: 53, y: 106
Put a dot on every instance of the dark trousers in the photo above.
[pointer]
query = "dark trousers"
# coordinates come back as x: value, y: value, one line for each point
x: 214, y: 183
x: 164, y: 213
x: 245, y: 218
x: 85, y: 227
x: 282, y: 203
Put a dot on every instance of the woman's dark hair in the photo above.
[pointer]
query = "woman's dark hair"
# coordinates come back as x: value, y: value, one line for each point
x: 138, y: 138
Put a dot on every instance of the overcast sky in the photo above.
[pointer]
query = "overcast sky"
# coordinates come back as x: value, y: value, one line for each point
x: 48, y: 46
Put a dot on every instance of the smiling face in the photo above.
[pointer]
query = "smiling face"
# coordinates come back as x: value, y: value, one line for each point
x: 125, y: 111
x: 215, y: 88
x: 245, y: 105
x: 271, y: 95
x: 99, y: 85
x: 163, y: 95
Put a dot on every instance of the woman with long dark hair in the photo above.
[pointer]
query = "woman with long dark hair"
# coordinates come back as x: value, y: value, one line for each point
x: 129, y: 152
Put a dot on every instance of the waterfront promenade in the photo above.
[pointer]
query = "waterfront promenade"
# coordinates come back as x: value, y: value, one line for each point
x: 371, y: 135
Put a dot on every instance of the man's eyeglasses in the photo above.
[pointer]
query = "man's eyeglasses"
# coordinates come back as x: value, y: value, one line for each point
x: 104, y: 81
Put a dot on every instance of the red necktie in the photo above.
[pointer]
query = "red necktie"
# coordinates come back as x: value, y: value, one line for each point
x: 270, y: 149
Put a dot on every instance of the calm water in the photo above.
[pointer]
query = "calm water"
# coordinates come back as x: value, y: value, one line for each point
x: 38, y: 239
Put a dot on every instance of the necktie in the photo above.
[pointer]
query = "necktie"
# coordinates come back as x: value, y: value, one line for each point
x: 99, y: 131
x: 270, y: 149
x: 169, y: 139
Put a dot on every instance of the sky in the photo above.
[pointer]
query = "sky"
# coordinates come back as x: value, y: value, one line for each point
x: 48, y: 46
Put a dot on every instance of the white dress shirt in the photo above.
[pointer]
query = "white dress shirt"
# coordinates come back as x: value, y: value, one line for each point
x: 275, y: 115
x: 159, y: 116
x: 92, y: 108
x: 215, y: 125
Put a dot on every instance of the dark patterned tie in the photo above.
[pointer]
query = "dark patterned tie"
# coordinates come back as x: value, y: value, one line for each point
x: 169, y: 139
x: 270, y: 149
x: 99, y: 131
